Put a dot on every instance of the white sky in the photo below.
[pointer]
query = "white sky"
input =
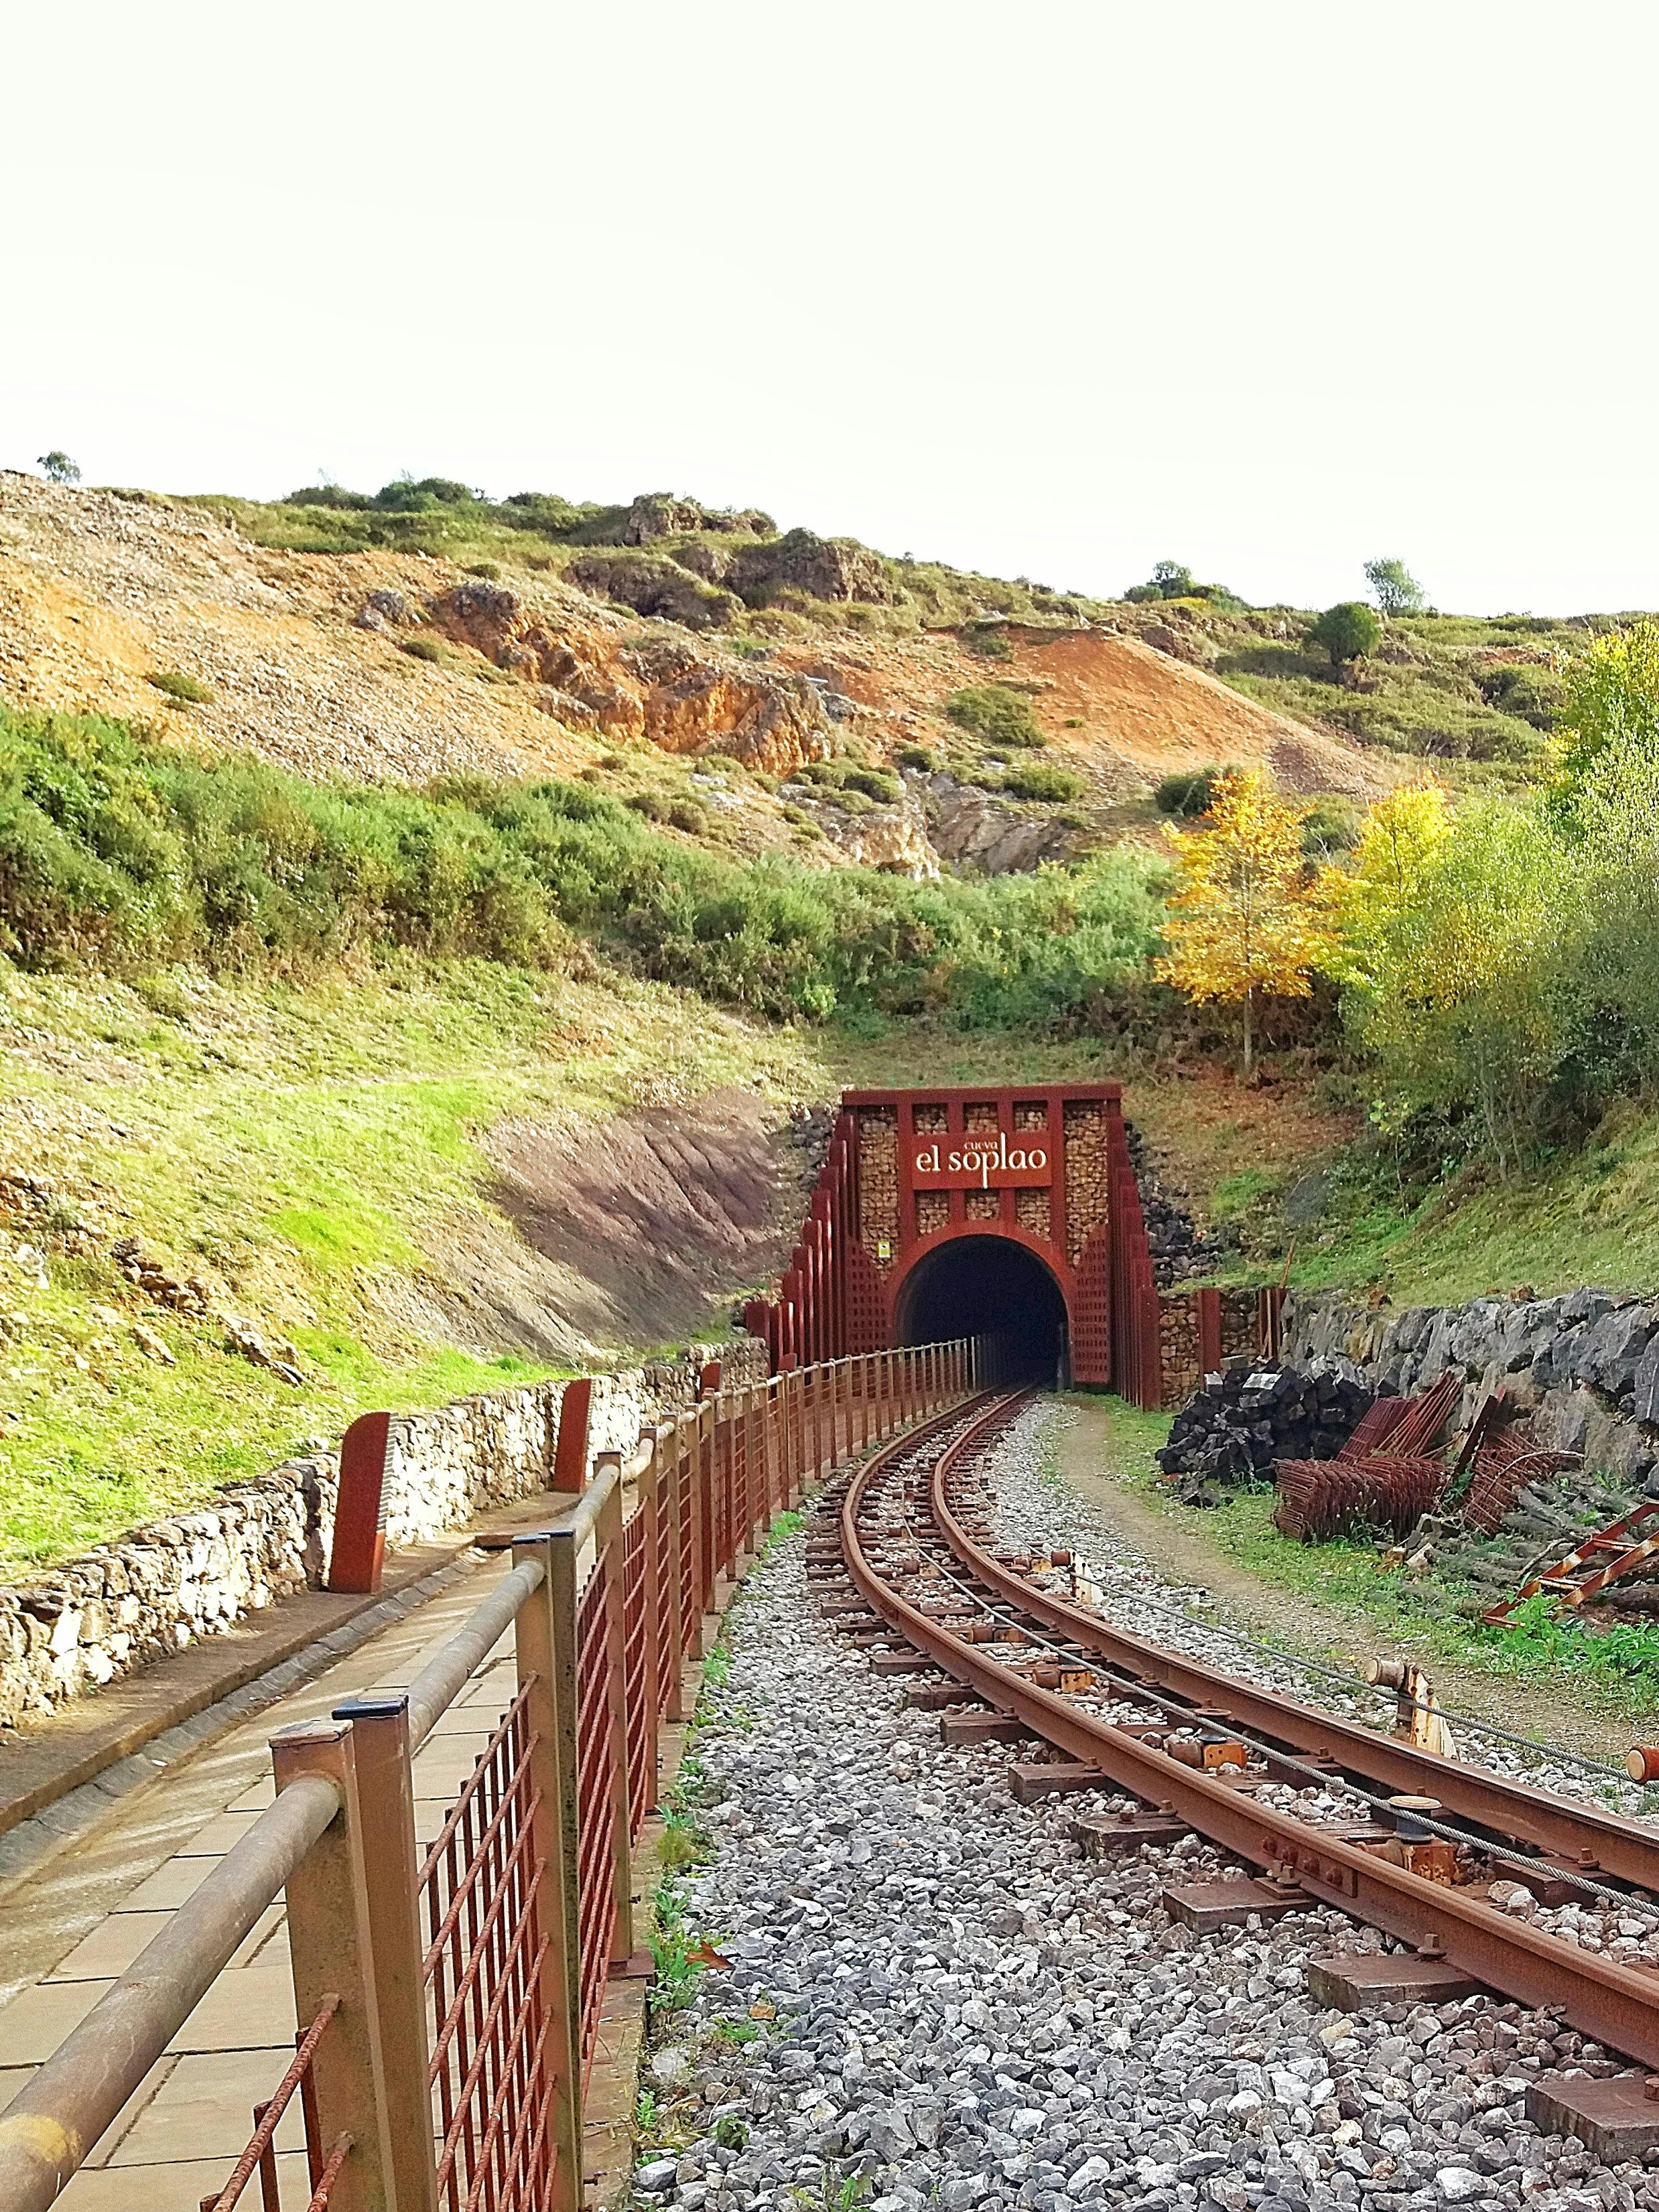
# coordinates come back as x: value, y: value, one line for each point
x: 1267, y: 286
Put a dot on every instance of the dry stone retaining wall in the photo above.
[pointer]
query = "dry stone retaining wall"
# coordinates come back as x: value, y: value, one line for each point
x: 196, y: 1574
x: 1583, y: 1367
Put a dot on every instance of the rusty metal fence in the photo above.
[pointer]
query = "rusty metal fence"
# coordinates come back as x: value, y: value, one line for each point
x: 452, y: 1995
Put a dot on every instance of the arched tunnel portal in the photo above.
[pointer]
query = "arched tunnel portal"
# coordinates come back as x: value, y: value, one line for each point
x: 992, y: 1288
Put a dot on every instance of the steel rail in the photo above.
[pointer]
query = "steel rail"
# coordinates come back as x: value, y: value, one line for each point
x: 1618, y: 2005
x: 1513, y: 1811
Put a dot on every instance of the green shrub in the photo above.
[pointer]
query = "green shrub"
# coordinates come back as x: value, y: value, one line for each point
x: 995, y: 713
x: 1188, y: 791
x: 918, y: 757
x: 691, y: 815
x: 1042, y: 780
x: 1523, y: 689
x: 490, y: 570
x: 988, y: 643
x: 117, y: 848
x: 1347, y: 631
x: 1332, y: 826
x: 188, y: 690
x: 878, y: 783
x: 424, y: 648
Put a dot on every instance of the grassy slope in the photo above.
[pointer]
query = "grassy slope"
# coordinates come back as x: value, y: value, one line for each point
x: 1617, y: 1672
x: 305, y: 1148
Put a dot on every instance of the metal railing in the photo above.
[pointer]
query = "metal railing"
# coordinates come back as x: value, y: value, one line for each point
x: 451, y: 1995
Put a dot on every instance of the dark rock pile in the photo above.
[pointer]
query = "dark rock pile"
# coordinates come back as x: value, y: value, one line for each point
x: 1181, y: 1251
x: 1249, y: 1416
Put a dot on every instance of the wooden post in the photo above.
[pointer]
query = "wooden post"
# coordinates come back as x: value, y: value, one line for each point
x: 332, y: 1950
x: 611, y: 1564
x: 378, y: 1721
x: 545, y: 1645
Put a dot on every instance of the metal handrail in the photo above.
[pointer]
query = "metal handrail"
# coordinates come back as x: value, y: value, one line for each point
x: 53, y: 2123
x: 444, y: 1676
x: 55, y: 2120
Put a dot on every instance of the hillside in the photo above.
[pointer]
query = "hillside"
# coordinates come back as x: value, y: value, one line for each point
x: 409, y: 646
x: 382, y: 892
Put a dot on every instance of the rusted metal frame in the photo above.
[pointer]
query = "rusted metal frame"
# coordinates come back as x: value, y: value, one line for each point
x: 322, y: 2189
x: 481, y: 1885
x: 639, y: 1685
x: 545, y: 1652
x: 760, y: 1455
x: 596, y: 1884
x: 704, y: 1509
x: 331, y: 1953
x: 57, y: 2118
x: 259, y: 2156
x: 1616, y: 2004
x: 1510, y: 1811
x: 611, y: 1565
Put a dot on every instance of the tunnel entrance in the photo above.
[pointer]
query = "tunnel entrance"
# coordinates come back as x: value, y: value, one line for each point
x: 991, y: 1287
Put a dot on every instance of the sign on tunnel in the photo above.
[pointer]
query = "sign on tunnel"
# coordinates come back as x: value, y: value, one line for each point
x: 982, y: 1164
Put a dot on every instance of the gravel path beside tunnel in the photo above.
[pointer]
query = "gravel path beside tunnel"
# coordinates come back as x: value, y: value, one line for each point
x: 933, y: 1999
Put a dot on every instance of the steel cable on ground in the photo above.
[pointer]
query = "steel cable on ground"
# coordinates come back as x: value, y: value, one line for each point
x: 1357, y: 1682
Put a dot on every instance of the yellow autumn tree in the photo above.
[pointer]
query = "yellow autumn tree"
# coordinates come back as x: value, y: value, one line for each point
x: 1367, y: 902
x: 1244, y: 922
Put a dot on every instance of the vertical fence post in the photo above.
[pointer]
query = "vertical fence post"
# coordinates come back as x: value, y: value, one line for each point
x: 545, y: 1647
x: 674, y: 1537
x: 612, y: 1565
x: 378, y: 1721
x: 649, y: 1505
x: 332, y: 1950
x: 702, y: 1509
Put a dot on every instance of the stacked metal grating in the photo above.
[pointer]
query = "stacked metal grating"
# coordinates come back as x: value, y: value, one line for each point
x: 1383, y: 1477
x: 1323, y: 1498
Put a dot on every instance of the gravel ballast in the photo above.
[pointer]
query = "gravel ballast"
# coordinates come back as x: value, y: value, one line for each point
x: 933, y: 1999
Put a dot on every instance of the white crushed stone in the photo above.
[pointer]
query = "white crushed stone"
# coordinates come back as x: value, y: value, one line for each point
x: 951, y: 2008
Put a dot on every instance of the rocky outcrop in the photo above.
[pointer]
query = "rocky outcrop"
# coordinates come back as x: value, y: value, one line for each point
x: 657, y: 515
x: 669, y: 691
x: 1583, y: 1368
x: 967, y: 826
x: 820, y: 567
x: 654, y: 586
x: 893, y: 838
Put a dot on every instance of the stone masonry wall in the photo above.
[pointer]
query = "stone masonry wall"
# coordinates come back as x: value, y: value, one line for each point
x: 197, y: 1573
x: 1583, y: 1368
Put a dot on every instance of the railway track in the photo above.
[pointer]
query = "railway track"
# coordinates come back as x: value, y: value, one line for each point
x: 1420, y: 1841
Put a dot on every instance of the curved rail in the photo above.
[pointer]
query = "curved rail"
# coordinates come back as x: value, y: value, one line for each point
x: 1618, y: 2004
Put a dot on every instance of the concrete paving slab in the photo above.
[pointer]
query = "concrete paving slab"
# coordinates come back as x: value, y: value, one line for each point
x: 179, y: 2187
x: 204, y: 2110
x: 244, y: 2010
x: 35, y: 2023
x: 111, y: 1948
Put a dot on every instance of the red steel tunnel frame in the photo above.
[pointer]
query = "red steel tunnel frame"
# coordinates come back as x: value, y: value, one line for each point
x: 1045, y: 1167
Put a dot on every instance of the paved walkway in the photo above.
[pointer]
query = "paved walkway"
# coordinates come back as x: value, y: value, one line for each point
x: 85, y: 1916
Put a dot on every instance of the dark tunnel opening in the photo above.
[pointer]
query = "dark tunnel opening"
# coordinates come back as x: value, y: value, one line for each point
x: 987, y: 1286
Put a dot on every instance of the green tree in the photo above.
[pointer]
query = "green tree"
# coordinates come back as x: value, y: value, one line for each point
x: 1394, y: 587
x: 60, y: 468
x: 1608, y: 750
x: 1348, y: 631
